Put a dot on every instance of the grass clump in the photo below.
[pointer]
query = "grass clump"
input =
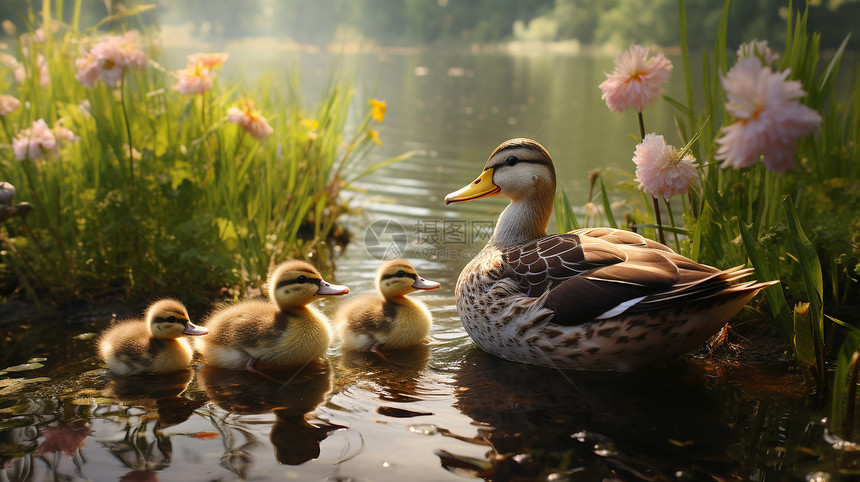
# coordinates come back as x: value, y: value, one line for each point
x: 142, y: 181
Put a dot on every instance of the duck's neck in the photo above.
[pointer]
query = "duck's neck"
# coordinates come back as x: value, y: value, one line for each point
x: 523, y: 220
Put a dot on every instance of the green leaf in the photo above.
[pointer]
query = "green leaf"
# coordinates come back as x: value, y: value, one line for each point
x: 844, y: 385
x: 775, y: 297
x: 810, y: 267
x: 607, y: 207
x: 565, y: 218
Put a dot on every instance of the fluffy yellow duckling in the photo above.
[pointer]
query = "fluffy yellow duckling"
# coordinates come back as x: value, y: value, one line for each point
x: 280, y: 333
x: 151, y: 345
x: 391, y: 319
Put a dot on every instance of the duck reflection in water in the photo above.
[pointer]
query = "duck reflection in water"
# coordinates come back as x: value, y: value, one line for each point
x: 394, y: 378
x: 145, y: 448
x: 295, y: 434
x: 160, y: 393
x: 652, y: 424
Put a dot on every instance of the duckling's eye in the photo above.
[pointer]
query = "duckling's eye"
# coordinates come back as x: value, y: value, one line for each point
x: 400, y: 273
x: 302, y: 278
x: 512, y: 161
x: 171, y: 319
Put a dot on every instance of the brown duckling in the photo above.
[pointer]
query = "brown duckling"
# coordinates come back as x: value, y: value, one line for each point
x: 389, y: 319
x: 154, y: 344
x: 280, y: 333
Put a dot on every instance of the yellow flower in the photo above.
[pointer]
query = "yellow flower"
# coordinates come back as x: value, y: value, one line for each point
x: 309, y: 124
x: 373, y: 134
x: 377, y: 109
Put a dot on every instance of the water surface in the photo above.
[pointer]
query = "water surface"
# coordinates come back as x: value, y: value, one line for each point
x: 445, y: 410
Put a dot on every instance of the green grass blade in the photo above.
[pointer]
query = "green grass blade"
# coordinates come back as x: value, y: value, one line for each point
x: 607, y: 206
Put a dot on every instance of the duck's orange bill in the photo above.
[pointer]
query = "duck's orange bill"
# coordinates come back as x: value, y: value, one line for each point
x: 481, y: 187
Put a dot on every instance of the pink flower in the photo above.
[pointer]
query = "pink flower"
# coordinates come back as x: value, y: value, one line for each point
x: 663, y: 170
x: 758, y: 48
x: 88, y: 70
x: 40, y: 140
x: 768, y: 119
x: 8, y: 104
x: 196, y: 79
x: 209, y: 60
x: 44, y: 74
x: 109, y: 59
x: 18, y: 69
x: 250, y: 119
x: 636, y: 80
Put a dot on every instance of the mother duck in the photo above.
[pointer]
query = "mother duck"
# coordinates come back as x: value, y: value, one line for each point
x: 591, y: 299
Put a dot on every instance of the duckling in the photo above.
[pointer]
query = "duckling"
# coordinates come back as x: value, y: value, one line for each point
x: 593, y: 298
x: 151, y: 345
x: 280, y: 333
x: 391, y: 320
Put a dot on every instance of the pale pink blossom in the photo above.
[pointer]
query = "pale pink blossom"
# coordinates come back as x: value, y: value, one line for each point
x: 8, y: 104
x: 760, y: 49
x: 768, y: 119
x: 196, y: 79
x: 18, y: 69
x: 250, y: 120
x: 88, y: 70
x: 109, y: 59
x: 636, y: 80
x: 40, y: 140
x: 44, y: 74
x: 663, y: 170
x: 39, y: 36
x: 210, y: 60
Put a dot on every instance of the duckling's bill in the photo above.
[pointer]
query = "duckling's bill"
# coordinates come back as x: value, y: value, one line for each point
x: 425, y: 284
x: 483, y: 186
x: 327, y: 288
x: 194, y: 330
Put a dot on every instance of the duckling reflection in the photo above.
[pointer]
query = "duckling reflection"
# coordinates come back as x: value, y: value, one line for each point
x: 160, y: 393
x: 394, y: 378
x: 295, y: 435
x: 613, y: 424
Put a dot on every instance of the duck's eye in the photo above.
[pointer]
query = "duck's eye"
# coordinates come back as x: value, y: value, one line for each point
x: 511, y: 161
x: 171, y: 319
x: 302, y: 278
x: 400, y: 273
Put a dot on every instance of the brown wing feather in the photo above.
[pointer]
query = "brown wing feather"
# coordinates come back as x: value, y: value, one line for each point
x: 588, y: 272
x: 546, y: 262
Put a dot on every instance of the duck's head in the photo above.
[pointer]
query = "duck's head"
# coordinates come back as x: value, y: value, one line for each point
x: 519, y: 169
x: 297, y: 283
x: 169, y: 319
x: 398, y: 278
x: 522, y: 171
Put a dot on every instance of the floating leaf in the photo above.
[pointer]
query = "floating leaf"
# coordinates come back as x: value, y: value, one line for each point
x: 24, y: 367
x: 12, y: 385
x: 205, y: 435
x: 85, y: 336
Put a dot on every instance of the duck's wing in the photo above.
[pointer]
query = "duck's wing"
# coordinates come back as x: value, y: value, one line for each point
x: 620, y: 236
x: 585, y: 278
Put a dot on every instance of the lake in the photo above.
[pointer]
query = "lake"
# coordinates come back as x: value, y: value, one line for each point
x: 445, y: 410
